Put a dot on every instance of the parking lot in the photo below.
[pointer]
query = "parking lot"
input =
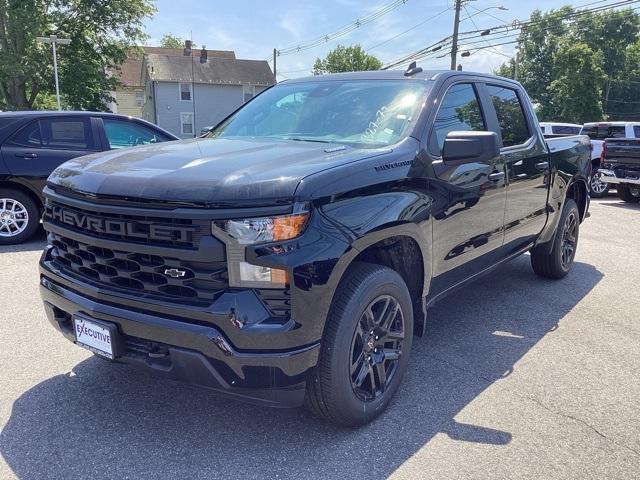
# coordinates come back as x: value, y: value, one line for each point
x: 517, y: 378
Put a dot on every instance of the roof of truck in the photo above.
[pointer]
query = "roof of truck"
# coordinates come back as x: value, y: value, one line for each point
x: 561, y: 124
x: 393, y: 74
x: 604, y: 122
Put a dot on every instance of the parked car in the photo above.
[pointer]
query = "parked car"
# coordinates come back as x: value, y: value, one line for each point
x: 291, y: 255
x: 558, y: 128
x: 33, y: 144
x: 621, y: 167
x: 598, y: 132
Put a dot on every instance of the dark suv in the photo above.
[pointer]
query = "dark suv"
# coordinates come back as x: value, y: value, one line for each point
x: 33, y: 144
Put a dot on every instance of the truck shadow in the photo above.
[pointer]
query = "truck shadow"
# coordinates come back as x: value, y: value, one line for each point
x: 110, y: 421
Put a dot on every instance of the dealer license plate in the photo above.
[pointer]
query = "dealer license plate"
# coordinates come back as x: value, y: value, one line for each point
x: 94, y: 336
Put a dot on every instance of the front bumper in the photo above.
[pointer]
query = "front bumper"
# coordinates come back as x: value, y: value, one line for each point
x: 609, y: 176
x: 190, y: 352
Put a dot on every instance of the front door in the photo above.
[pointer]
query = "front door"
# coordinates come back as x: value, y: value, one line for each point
x: 468, y: 222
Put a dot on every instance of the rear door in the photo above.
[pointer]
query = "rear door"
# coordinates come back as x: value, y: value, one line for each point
x: 527, y: 164
x: 468, y: 226
x: 42, y: 145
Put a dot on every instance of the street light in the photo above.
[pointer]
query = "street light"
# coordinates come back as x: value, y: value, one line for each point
x: 53, y: 40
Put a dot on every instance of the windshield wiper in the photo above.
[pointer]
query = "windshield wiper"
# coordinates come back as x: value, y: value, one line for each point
x: 297, y: 139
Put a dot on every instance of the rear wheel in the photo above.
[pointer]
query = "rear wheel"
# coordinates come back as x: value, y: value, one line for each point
x: 599, y: 188
x: 558, y: 262
x: 365, y: 348
x: 630, y: 194
x: 18, y: 216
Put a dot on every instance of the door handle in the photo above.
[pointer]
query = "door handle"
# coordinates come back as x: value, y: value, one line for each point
x: 27, y: 155
x: 542, y: 166
x: 496, y: 176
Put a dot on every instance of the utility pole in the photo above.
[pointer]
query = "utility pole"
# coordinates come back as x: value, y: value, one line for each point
x: 275, y: 54
x: 454, y: 41
x: 53, y: 40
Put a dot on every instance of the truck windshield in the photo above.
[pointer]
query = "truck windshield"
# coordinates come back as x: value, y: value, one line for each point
x: 366, y: 113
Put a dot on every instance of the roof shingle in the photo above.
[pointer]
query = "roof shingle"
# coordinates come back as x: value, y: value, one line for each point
x: 221, y: 71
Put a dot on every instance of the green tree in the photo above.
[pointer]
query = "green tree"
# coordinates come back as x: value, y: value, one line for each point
x: 569, y: 87
x: 171, y: 41
x: 576, y: 90
x: 346, y: 59
x: 102, y: 34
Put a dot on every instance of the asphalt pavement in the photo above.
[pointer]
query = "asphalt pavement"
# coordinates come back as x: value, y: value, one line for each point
x: 517, y: 378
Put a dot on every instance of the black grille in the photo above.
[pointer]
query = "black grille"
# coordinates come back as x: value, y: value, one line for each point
x: 140, y: 274
x: 169, y: 232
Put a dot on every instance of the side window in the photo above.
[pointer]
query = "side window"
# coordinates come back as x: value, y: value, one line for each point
x: 248, y: 92
x: 511, y: 119
x: 636, y: 131
x: 565, y: 130
x: 122, y: 134
x: 185, y: 92
x: 66, y: 133
x: 29, y: 136
x: 459, y: 111
x: 616, y: 131
x: 186, y: 123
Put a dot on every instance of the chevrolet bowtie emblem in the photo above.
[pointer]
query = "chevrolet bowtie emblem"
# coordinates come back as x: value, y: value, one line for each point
x: 175, y: 273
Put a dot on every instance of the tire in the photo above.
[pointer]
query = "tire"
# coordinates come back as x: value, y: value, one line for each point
x: 558, y: 262
x: 598, y: 188
x: 19, y: 216
x: 345, y: 389
x: 629, y: 194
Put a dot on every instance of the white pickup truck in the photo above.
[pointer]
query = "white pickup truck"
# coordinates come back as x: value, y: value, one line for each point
x: 597, y: 132
x: 558, y: 128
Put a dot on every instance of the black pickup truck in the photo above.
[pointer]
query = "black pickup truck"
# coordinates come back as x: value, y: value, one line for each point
x: 292, y: 254
x: 620, y: 167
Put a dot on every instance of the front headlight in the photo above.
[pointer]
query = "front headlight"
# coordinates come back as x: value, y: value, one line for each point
x: 259, y: 230
x: 267, y: 229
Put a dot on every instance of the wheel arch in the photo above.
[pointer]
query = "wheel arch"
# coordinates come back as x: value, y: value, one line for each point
x: 24, y: 189
x: 578, y: 190
x: 404, y: 249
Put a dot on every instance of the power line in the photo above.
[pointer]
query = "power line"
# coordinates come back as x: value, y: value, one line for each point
x: 302, y: 46
x: 430, y: 50
x: 409, y: 29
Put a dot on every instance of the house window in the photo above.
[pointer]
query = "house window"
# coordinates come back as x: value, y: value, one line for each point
x: 186, y: 123
x: 249, y: 91
x: 185, y: 92
x: 139, y: 98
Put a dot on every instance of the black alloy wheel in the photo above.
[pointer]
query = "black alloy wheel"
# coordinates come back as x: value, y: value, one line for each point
x: 569, y: 239
x: 376, y: 347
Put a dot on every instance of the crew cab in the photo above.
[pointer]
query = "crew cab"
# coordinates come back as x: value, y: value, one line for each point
x: 33, y: 144
x: 621, y: 167
x: 291, y: 255
x: 598, y: 132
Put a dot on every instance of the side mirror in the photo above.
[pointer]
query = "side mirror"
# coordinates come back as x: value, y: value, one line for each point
x: 470, y: 147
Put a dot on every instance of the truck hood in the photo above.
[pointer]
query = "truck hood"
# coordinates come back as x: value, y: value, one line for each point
x: 205, y: 171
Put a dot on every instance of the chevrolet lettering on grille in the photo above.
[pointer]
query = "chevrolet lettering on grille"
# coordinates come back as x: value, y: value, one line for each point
x: 127, y: 228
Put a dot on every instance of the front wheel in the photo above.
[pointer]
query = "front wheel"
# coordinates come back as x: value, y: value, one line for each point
x: 365, y: 347
x: 19, y: 218
x: 599, y: 189
x: 558, y: 262
x: 629, y: 193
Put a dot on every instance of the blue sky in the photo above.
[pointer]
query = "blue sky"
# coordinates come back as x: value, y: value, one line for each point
x: 253, y: 28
